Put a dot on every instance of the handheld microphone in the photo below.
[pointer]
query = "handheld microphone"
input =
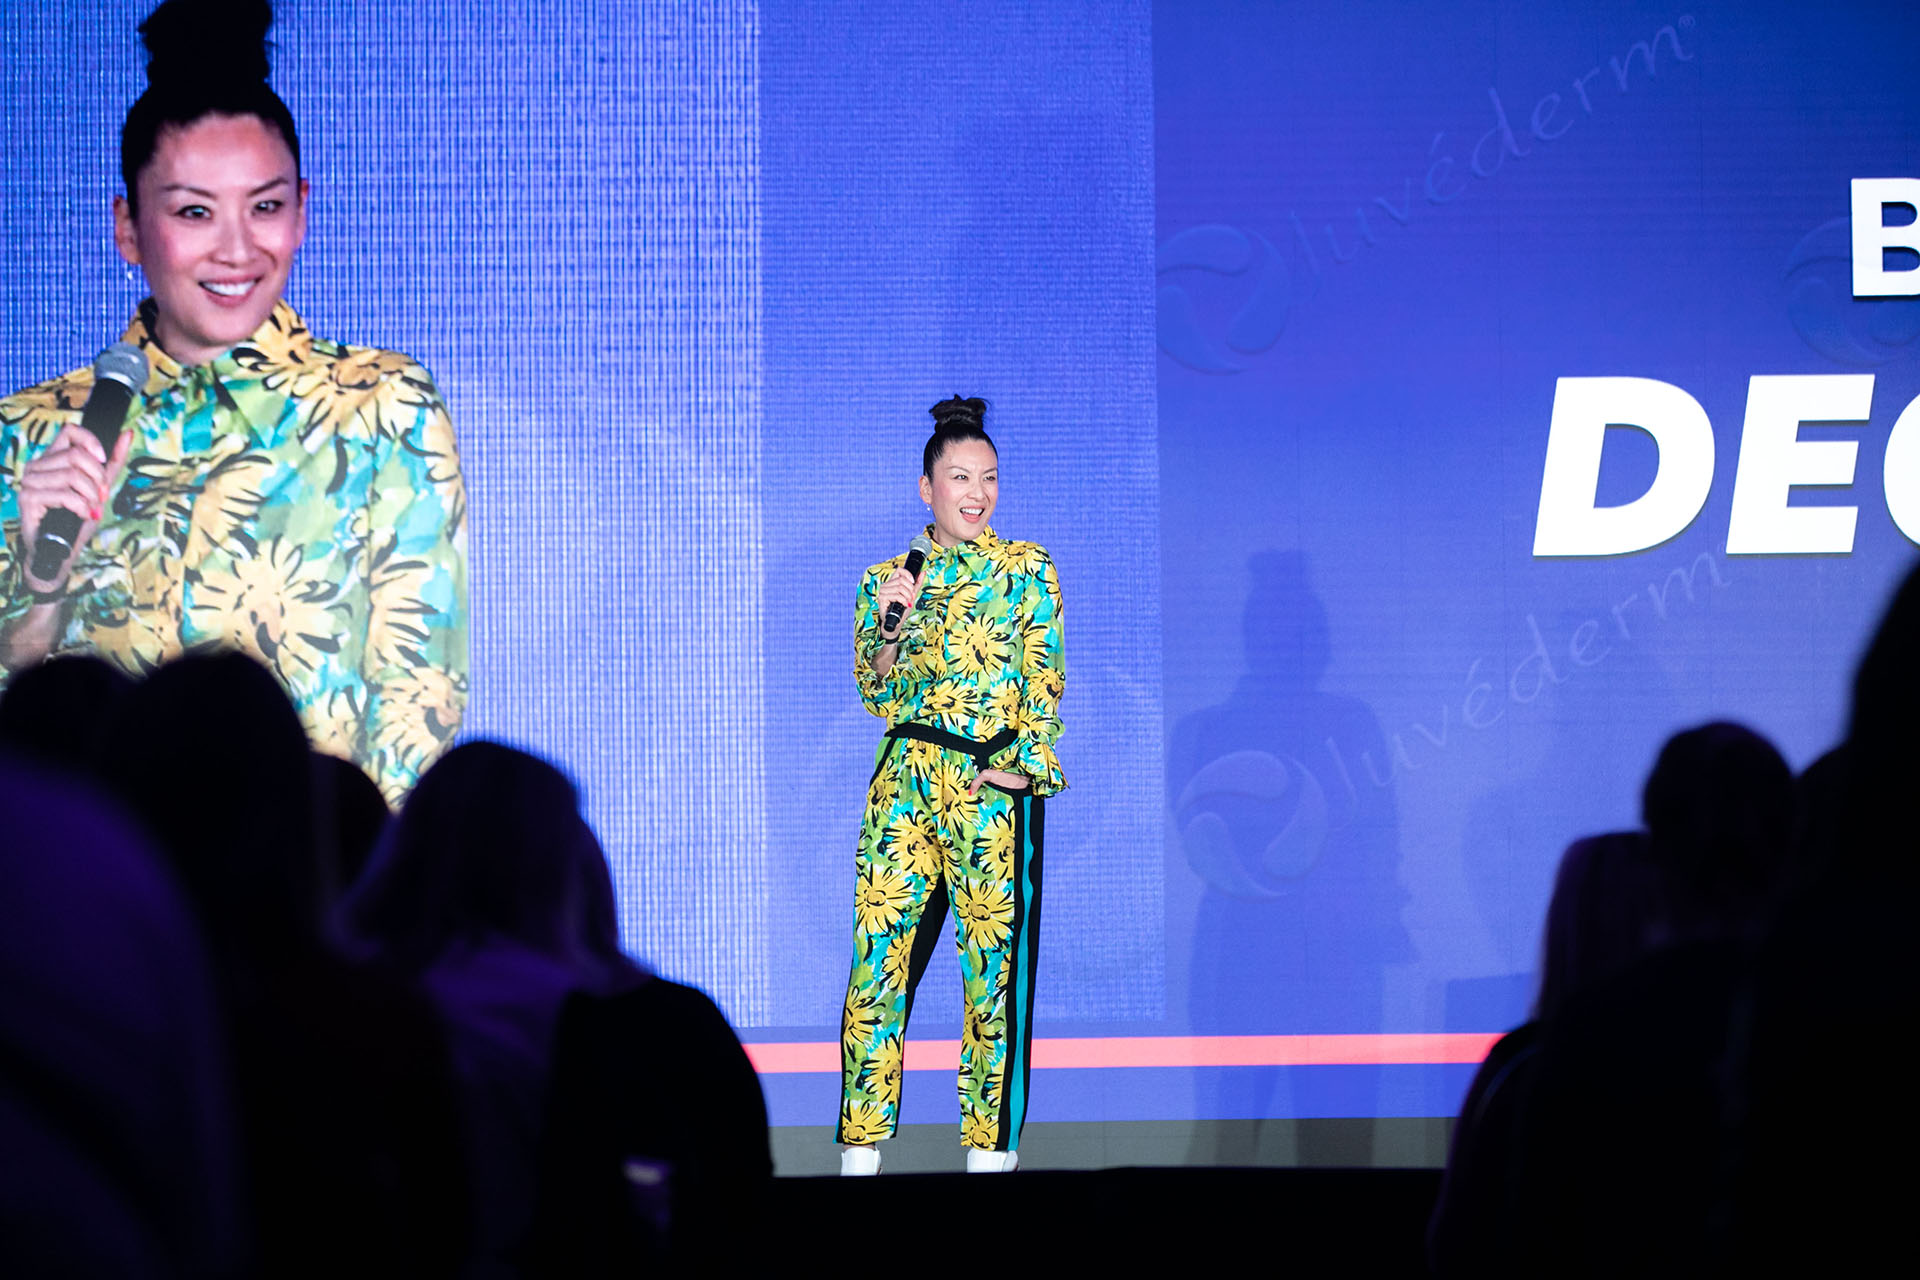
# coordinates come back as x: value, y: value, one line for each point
x: 118, y: 373
x: 917, y: 552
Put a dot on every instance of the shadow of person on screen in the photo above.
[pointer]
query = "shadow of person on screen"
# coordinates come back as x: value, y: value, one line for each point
x: 1584, y: 736
x: 1284, y: 802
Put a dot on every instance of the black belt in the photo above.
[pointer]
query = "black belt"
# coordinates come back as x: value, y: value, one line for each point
x: 980, y: 751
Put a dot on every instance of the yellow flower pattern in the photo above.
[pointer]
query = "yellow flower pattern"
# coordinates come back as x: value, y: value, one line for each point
x: 952, y: 796
x: 916, y: 844
x: 866, y: 1122
x: 295, y: 499
x: 884, y: 1068
x: 883, y: 894
x: 986, y: 913
x: 981, y: 651
x: 996, y: 846
x: 980, y: 665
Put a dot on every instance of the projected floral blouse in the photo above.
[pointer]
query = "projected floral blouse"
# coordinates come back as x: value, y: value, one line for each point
x: 296, y: 499
x: 980, y: 652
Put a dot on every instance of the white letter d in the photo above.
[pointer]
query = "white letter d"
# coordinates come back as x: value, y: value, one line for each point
x: 1569, y: 523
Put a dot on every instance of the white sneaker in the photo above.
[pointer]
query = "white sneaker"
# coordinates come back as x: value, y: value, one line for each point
x: 859, y: 1162
x: 979, y: 1161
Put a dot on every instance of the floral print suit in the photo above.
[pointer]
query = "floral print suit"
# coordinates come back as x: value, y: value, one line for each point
x: 296, y: 499
x: 975, y: 685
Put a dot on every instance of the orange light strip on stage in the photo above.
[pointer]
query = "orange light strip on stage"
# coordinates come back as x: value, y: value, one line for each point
x: 1166, y: 1051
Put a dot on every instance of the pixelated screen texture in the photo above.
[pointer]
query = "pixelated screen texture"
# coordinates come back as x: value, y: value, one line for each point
x: 959, y: 200
x: 555, y: 208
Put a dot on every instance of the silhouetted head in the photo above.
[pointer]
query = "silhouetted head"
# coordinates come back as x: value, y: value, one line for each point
x: 488, y: 845
x: 60, y: 712
x: 1823, y: 792
x: 1882, y: 823
x: 1284, y: 625
x: 1605, y: 908
x: 212, y: 758
x: 1719, y: 811
x: 597, y: 947
x: 352, y: 814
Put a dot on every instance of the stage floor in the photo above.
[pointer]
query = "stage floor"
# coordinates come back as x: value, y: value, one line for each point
x: 1396, y: 1142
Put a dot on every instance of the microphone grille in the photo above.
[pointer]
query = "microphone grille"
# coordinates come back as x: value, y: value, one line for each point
x: 921, y: 543
x: 122, y: 363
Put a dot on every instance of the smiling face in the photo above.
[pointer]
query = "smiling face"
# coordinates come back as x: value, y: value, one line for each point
x: 222, y: 211
x: 962, y: 490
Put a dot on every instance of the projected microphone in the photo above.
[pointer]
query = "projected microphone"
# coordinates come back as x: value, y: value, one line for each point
x: 118, y: 373
x: 917, y: 552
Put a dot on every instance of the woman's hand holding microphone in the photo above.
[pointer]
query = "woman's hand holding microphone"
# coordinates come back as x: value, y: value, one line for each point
x: 901, y: 588
x: 77, y: 473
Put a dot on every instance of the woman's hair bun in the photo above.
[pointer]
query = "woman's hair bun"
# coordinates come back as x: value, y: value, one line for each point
x: 959, y: 414
x: 207, y: 39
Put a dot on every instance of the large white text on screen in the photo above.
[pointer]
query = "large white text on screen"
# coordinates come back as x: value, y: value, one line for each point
x: 1773, y: 459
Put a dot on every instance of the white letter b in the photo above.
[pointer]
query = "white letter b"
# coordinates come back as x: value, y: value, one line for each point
x: 1871, y: 279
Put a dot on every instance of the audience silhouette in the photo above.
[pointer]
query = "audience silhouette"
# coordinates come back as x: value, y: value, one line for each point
x: 119, y: 1147
x: 1602, y: 918
x: 285, y: 1032
x: 1719, y: 994
x: 61, y: 712
x: 656, y: 1148
x: 1820, y: 1133
x: 256, y: 1025
x: 351, y: 1144
x: 494, y: 894
x: 350, y: 815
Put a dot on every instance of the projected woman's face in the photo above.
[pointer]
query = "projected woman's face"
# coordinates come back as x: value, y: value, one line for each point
x: 962, y: 490
x: 222, y: 212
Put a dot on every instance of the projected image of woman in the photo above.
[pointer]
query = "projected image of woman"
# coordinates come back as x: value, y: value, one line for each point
x: 970, y: 679
x: 272, y: 491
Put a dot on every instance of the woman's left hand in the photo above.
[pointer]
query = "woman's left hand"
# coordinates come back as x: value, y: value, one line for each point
x: 999, y: 778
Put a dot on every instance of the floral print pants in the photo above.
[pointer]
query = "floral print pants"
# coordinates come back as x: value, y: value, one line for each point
x: 925, y: 844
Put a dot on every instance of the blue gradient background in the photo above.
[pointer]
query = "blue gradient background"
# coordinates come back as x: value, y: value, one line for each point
x: 690, y: 275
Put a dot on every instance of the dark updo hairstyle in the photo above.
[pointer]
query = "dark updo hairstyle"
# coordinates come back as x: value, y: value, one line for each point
x: 954, y: 420
x: 204, y: 58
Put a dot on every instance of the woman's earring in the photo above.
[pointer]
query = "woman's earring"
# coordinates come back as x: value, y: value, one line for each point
x: 132, y: 279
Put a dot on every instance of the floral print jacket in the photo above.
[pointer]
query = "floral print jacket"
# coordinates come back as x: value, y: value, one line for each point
x: 295, y: 499
x: 980, y: 652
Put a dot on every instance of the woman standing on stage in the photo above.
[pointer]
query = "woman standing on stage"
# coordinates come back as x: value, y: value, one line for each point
x: 970, y: 681
x: 274, y: 492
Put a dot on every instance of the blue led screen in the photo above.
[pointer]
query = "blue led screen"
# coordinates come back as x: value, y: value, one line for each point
x: 1277, y: 305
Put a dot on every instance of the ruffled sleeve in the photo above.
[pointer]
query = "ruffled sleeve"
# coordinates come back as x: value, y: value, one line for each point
x: 14, y: 598
x: 416, y: 653
x: 29, y: 422
x: 879, y: 694
x: 1043, y: 673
